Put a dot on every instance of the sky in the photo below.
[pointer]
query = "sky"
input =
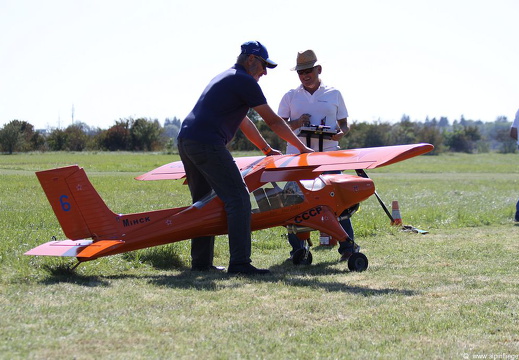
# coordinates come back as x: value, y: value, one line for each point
x: 97, y: 61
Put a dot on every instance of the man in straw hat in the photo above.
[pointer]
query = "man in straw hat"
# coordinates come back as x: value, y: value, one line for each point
x: 314, y: 103
x: 220, y: 111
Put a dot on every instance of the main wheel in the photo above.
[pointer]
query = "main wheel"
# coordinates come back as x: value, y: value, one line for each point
x: 302, y: 257
x: 358, y: 262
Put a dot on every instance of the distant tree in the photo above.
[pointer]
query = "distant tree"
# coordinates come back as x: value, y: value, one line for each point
x: 38, y: 142
x: 444, y: 122
x: 499, y: 133
x: 117, y: 137
x: 172, y: 128
x: 463, y: 139
x: 57, y: 140
x: 462, y: 121
x: 355, y: 138
x: 20, y: 136
x: 146, y: 135
x: 404, y: 132
x: 11, y: 137
x: 431, y: 135
x: 378, y: 135
x: 76, y: 137
x: 431, y: 123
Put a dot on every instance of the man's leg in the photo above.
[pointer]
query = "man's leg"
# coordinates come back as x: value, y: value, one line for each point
x: 216, y: 165
x: 295, y: 242
x: 347, y: 246
x: 202, y: 248
x: 231, y: 189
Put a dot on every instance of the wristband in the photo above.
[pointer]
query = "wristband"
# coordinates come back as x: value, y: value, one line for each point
x: 266, y: 149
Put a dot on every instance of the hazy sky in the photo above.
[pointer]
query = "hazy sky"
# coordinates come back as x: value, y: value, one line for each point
x: 111, y: 59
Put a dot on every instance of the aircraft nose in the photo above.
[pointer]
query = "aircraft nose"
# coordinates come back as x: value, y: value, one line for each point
x: 351, y: 190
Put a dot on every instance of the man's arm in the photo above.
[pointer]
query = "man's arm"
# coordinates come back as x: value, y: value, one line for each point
x: 280, y: 127
x: 343, y: 129
x: 252, y: 133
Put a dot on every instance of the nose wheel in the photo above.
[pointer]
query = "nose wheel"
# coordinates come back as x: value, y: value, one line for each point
x: 302, y: 257
x: 358, y: 262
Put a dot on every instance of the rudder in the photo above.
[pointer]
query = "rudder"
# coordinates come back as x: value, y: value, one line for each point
x: 80, y: 210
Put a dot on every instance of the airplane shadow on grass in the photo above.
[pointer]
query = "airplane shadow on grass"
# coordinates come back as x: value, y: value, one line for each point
x: 289, y: 274
x: 65, y: 274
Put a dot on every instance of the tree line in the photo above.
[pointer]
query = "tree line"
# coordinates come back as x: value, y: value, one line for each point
x: 468, y: 136
x: 144, y: 134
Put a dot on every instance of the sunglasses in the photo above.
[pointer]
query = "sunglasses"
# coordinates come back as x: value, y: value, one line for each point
x: 305, y: 71
x: 263, y: 62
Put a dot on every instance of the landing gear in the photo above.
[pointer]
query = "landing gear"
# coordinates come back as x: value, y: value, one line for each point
x: 302, y: 257
x: 358, y: 262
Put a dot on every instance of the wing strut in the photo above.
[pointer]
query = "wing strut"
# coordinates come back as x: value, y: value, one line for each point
x: 362, y: 173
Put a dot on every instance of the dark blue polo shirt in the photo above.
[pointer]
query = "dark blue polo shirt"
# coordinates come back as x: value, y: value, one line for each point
x: 222, y: 106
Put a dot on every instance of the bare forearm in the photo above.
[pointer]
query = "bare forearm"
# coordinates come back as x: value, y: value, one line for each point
x: 343, y: 125
x: 285, y: 132
x: 280, y: 127
x: 252, y: 133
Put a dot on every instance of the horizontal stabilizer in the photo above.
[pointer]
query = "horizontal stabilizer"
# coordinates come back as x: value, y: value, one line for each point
x: 74, y: 248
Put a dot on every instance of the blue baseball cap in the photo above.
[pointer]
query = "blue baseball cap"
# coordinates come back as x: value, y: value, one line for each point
x: 257, y: 49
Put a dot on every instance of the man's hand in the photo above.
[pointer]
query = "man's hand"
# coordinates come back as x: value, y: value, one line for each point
x: 338, y: 136
x: 306, y: 149
x: 273, y: 152
x: 304, y: 120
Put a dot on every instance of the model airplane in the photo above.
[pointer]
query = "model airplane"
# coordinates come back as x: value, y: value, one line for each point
x: 285, y: 190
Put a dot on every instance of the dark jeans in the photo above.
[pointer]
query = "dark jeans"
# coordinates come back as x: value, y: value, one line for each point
x: 343, y: 246
x: 209, y: 167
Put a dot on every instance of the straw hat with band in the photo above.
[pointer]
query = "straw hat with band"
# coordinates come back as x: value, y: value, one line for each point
x: 305, y: 60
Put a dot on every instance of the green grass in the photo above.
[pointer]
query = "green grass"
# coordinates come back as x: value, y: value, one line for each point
x: 448, y: 294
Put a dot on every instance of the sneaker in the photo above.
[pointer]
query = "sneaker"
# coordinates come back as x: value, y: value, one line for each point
x: 246, y: 269
x: 345, y: 256
x: 207, y: 268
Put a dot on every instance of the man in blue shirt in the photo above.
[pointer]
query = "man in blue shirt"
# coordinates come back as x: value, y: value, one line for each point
x: 220, y: 111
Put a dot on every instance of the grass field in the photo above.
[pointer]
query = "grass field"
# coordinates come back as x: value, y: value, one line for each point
x: 450, y: 294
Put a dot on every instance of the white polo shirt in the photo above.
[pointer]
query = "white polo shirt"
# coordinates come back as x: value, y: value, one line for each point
x: 325, y: 107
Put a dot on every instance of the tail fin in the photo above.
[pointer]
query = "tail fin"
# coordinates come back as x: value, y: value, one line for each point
x: 80, y: 210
